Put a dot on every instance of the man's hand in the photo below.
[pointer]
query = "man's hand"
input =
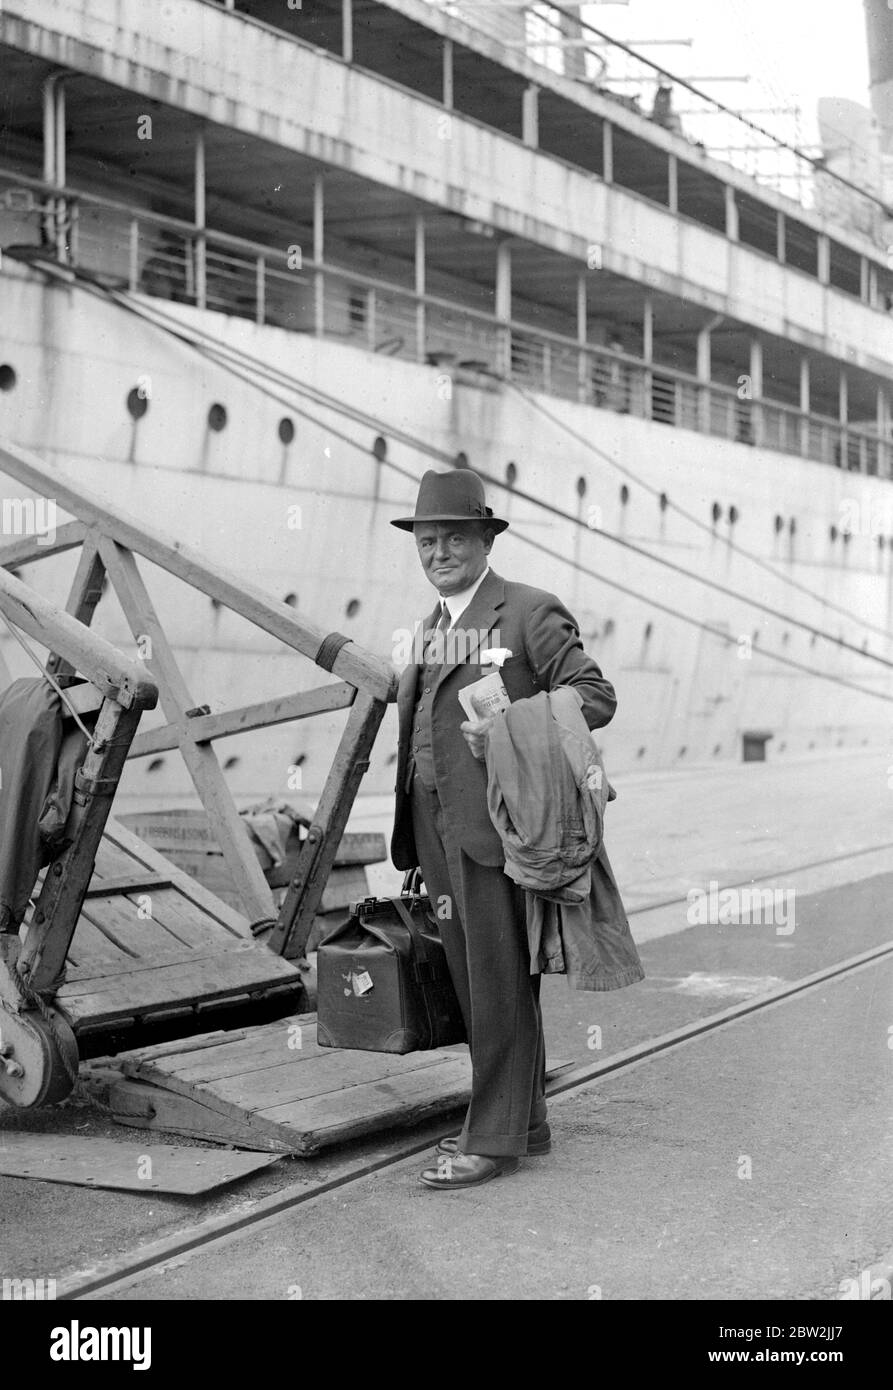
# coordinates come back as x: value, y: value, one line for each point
x: 474, y: 732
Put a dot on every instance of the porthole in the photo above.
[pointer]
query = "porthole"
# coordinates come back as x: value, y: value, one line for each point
x: 231, y: 763
x: 581, y: 486
x: 155, y: 765
x: 640, y: 753
x: 716, y: 511
x: 717, y: 750
x: 624, y: 495
x: 217, y: 417
x: 609, y: 627
x: 792, y: 526
x: 511, y: 474
x: 847, y: 537
x: 291, y: 600
x: 8, y: 377
x: 299, y: 759
x: 286, y: 430
x: 380, y: 448
x: 833, y: 533
x: 682, y: 751
x: 137, y: 403
x: 779, y: 524
x: 664, y: 501
x: 392, y: 758
x: 649, y: 628
x: 733, y: 515
x: 216, y: 605
x: 461, y: 460
x: 353, y: 608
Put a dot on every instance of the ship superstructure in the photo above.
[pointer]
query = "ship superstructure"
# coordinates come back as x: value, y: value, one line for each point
x: 263, y: 264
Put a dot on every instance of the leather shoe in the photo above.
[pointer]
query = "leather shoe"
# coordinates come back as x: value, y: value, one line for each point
x: 467, y: 1170
x: 539, y: 1142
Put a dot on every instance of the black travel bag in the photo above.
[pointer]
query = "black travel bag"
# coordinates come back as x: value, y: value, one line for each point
x: 383, y: 980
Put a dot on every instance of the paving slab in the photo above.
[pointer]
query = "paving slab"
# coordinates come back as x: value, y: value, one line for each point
x: 751, y: 1163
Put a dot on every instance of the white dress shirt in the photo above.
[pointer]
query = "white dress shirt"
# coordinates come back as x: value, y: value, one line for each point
x: 456, y: 604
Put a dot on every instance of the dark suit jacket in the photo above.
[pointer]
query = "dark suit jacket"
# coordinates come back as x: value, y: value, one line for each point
x: 546, y: 652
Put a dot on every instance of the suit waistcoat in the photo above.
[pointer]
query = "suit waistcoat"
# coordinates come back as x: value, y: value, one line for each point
x: 421, y: 756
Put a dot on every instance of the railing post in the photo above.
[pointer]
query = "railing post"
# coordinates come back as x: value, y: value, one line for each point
x: 756, y: 387
x: 319, y: 284
x: 607, y: 152
x: 448, y: 74
x: 371, y: 314
x: 504, y: 306
x: 261, y: 290
x: 530, y: 115
x: 648, y: 355
x: 704, y: 369
x: 731, y: 213
x: 201, y: 280
x: 61, y: 175
x: 582, y: 338
x: 420, y: 288
x: 133, y: 268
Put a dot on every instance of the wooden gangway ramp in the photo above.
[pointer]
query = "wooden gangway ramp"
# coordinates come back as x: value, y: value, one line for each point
x: 117, y: 935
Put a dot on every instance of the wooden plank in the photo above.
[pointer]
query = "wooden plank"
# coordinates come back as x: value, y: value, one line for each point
x: 145, y: 938
x: 400, y: 1101
x: 187, y: 922
x: 301, y: 902
x: 255, y: 1050
x: 93, y: 951
x: 194, y: 977
x: 127, y: 1167
x: 234, y: 922
x: 128, y: 883
x: 116, y: 676
x: 301, y: 1079
x: 61, y: 897
x: 353, y: 663
x: 86, y: 591
x: 112, y: 861
x: 201, y: 760
x: 25, y: 549
x: 148, y: 1107
x: 185, y: 832
x: 240, y: 721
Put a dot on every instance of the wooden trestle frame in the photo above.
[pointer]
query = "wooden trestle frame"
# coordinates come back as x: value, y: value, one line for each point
x: 110, y: 542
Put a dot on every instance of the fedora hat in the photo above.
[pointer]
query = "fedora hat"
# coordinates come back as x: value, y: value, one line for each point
x: 454, y: 496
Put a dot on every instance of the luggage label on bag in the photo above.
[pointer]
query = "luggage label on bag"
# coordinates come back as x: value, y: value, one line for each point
x: 360, y: 982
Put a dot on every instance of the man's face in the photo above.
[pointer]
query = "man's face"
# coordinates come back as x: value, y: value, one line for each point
x: 453, y: 553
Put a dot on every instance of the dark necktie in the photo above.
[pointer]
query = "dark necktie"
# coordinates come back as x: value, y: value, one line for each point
x: 434, y: 651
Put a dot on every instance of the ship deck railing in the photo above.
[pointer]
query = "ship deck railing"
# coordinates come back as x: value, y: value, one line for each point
x: 136, y: 251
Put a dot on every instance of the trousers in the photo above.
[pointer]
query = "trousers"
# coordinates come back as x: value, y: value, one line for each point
x: 483, y: 925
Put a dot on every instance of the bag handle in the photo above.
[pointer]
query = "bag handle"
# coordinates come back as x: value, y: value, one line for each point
x: 418, y: 941
x: 411, y: 882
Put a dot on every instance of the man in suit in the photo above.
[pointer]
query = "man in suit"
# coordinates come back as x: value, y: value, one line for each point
x: 442, y: 822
